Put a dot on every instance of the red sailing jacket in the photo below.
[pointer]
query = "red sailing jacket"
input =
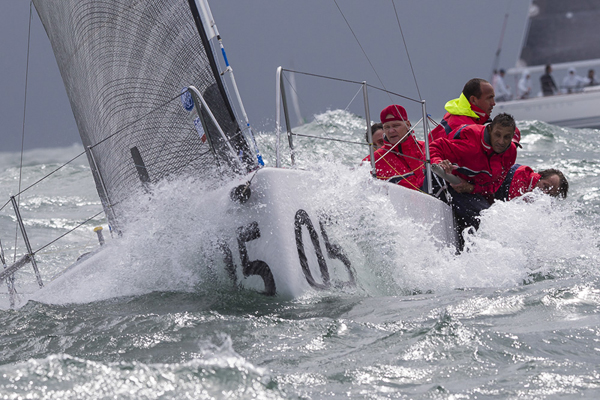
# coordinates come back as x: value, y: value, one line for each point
x: 520, y: 180
x: 394, y: 167
x: 460, y: 112
x: 477, y: 163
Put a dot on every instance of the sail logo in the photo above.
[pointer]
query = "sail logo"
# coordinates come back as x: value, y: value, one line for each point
x: 199, y: 128
x: 186, y: 100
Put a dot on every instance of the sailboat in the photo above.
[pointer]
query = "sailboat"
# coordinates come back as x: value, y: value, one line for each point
x: 559, y: 33
x: 155, y: 99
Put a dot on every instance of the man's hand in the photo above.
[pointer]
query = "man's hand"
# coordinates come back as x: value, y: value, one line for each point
x: 463, y: 187
x: 447, y: 166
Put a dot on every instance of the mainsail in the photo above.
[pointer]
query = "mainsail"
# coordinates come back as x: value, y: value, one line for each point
x: 561, y: 31
x: 125, y: 64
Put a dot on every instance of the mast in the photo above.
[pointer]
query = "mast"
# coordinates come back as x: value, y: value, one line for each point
x: 202, y: 29
x: 208, y: 31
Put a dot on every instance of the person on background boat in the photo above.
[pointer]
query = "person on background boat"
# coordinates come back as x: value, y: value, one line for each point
x: 402, y: 157
x: 474, y: 106
x: 524, y: 86
x: 522, y: 179
x: 482, y: 157
x: 591, y: 79
x: 376, y: 134
x: 501, y: 89
x: 572, y: 83
x: 547, y: 81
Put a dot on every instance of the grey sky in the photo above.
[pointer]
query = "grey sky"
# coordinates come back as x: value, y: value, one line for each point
x: 449, y: 42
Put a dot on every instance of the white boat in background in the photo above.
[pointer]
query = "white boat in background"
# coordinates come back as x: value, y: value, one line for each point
x: 153, y: 102
x: 576, y: 110
x: 560, y: 33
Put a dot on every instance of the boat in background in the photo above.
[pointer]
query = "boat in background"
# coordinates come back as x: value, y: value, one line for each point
x: 153, y: 103
x: 559, y: 33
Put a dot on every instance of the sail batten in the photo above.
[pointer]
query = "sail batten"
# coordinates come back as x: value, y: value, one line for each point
x: 124, y: 64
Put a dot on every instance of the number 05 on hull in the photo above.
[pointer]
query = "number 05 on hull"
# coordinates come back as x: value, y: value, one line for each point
x: 285, y: 244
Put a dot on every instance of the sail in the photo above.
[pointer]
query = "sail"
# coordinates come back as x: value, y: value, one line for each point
x: 561, y: 31
x: 124, y: 64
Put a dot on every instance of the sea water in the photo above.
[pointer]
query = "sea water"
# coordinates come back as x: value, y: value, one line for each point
x: 516, y: 315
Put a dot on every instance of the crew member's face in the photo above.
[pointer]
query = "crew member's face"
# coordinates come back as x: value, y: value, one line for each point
x: 501, y: 136
x: 378, y: 138
x: 486, y: 100
x: 396, y: 130
x: 549, y: 185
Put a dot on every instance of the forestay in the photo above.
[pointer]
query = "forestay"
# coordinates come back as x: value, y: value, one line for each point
x: 124, y: 64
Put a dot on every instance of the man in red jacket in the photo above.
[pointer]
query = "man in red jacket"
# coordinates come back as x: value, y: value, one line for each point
x: 522, y: 179
x: 481, y: 157
x: 401, y: 159
x: 474, y: 106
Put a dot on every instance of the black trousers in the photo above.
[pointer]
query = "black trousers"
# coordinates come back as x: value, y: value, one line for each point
x: 466, y: 208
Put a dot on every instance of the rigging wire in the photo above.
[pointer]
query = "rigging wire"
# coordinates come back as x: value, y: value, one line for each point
x: 68, y: 232
x: 24, y: 118
x: 407, y: 53
x: 5, y: 204
x: 50, y: 173
x: 499, y: 50
x: 351, y: 101
x: 411, y: 66
x: 354, y: 82
x: 123, y: 129
x: 360, y: 45
x: 119, y: 131
x: 320, y: 123
x: 351, y: 81
x: 367, y: 57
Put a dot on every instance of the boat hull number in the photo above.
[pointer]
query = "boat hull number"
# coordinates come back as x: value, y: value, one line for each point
x: 302, y: 220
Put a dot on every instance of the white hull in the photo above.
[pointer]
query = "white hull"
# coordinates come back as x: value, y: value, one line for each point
x: 265, y: 243
x: 577, y: 110
x: 283, y: 200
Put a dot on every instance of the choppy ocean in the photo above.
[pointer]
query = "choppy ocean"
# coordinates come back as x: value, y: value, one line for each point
x: 515, y: 316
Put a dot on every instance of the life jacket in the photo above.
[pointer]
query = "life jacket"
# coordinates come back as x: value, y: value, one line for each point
x: 471, y: 151
x: 459, y: 112
x: 402, y: 164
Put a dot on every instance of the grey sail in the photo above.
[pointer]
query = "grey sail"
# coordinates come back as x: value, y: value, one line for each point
x: 562, y: 31
x: 125, y: 64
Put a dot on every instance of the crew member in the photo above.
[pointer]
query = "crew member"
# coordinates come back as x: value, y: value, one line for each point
x: 401, y: 158
x: 547, y: 82
x: 572, y: 83
x: 522, y: 179
x: 524, y: 86
x: 501, y: 89
x: 474, y: 106
x: 482, y: 157
x: 376, y: 135
x: 591, y: 80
